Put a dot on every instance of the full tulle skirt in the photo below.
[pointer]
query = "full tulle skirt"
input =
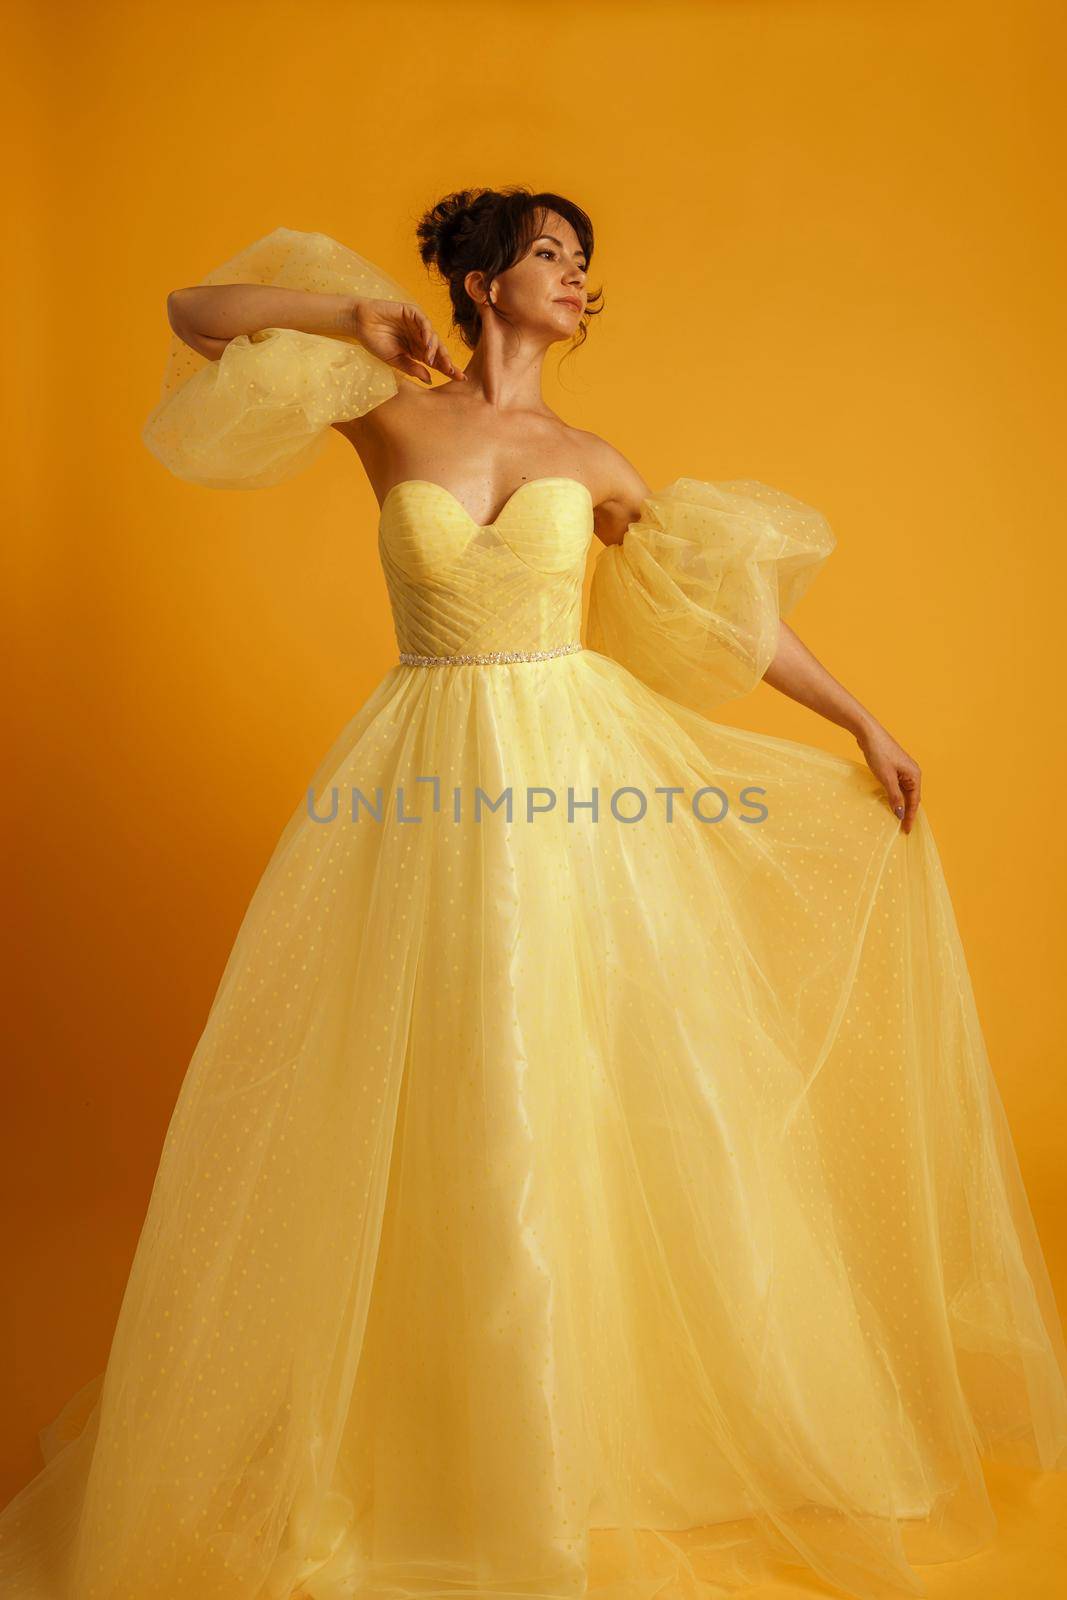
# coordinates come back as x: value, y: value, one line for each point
x: 566, y: 1202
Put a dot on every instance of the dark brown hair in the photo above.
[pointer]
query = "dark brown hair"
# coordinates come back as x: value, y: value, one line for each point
x: 489, y: 230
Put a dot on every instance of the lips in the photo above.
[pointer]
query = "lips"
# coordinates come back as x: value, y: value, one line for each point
x: 569, y: 300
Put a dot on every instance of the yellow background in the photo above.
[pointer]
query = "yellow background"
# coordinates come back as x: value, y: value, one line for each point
x: 831, y: 244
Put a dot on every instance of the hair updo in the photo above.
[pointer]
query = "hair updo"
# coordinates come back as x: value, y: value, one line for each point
x: 489, y: 230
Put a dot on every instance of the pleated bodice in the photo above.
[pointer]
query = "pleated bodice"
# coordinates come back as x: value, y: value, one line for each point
x: 513, y: 585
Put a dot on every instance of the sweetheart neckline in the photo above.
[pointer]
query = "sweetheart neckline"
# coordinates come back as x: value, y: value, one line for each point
x: 482, y: 526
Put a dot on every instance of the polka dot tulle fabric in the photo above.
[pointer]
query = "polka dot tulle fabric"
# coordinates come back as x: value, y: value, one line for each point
x: 263, y: 411
x: 601, y: 1192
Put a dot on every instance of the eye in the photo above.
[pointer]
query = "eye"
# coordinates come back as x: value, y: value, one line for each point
x: 547, y: 250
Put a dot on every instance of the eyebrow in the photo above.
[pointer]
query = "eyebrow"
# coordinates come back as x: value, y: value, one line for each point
x: 554, y: 240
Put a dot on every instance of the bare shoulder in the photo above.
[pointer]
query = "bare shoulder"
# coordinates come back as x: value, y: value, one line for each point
x: 381, y: 433
x: 386, y: 415
x: 617, y: 488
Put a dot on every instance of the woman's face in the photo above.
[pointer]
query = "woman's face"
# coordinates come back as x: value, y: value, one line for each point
x: 544, y: 292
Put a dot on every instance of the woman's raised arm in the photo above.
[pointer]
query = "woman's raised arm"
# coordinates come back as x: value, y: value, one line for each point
x: 273, y: 348
x: 207, y: 317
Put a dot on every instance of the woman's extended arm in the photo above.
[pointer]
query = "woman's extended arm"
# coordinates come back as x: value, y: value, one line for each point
x: 292, y: 336
x: 795, y: 672
x: 207, y: 316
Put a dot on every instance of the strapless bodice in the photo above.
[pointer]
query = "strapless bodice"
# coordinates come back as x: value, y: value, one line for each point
x: 512, y: 586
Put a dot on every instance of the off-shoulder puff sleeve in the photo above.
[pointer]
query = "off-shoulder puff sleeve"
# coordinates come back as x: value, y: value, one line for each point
x: 262, y: 412
x: 689, y: 601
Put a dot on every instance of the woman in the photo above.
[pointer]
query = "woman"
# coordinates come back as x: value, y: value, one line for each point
x: 590, y: 1178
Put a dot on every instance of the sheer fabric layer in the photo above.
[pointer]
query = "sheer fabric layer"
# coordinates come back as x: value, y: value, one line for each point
x: 553, y: 1202
x: 690, y: 599
x: 262, y: 412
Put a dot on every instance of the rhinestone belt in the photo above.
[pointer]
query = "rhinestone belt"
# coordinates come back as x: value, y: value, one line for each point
x: 409, y: 659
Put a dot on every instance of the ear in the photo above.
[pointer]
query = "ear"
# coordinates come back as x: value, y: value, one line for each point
x: 476, y: 285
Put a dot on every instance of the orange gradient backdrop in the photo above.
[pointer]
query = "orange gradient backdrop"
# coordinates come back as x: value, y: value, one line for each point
x: 831, y: 244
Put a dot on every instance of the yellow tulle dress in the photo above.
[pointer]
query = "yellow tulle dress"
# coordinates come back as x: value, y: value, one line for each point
x: 601, y: 1190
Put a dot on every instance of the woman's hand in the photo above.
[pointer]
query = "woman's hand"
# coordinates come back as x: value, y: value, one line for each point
x: 895, y: 770
x: 401, y: 334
